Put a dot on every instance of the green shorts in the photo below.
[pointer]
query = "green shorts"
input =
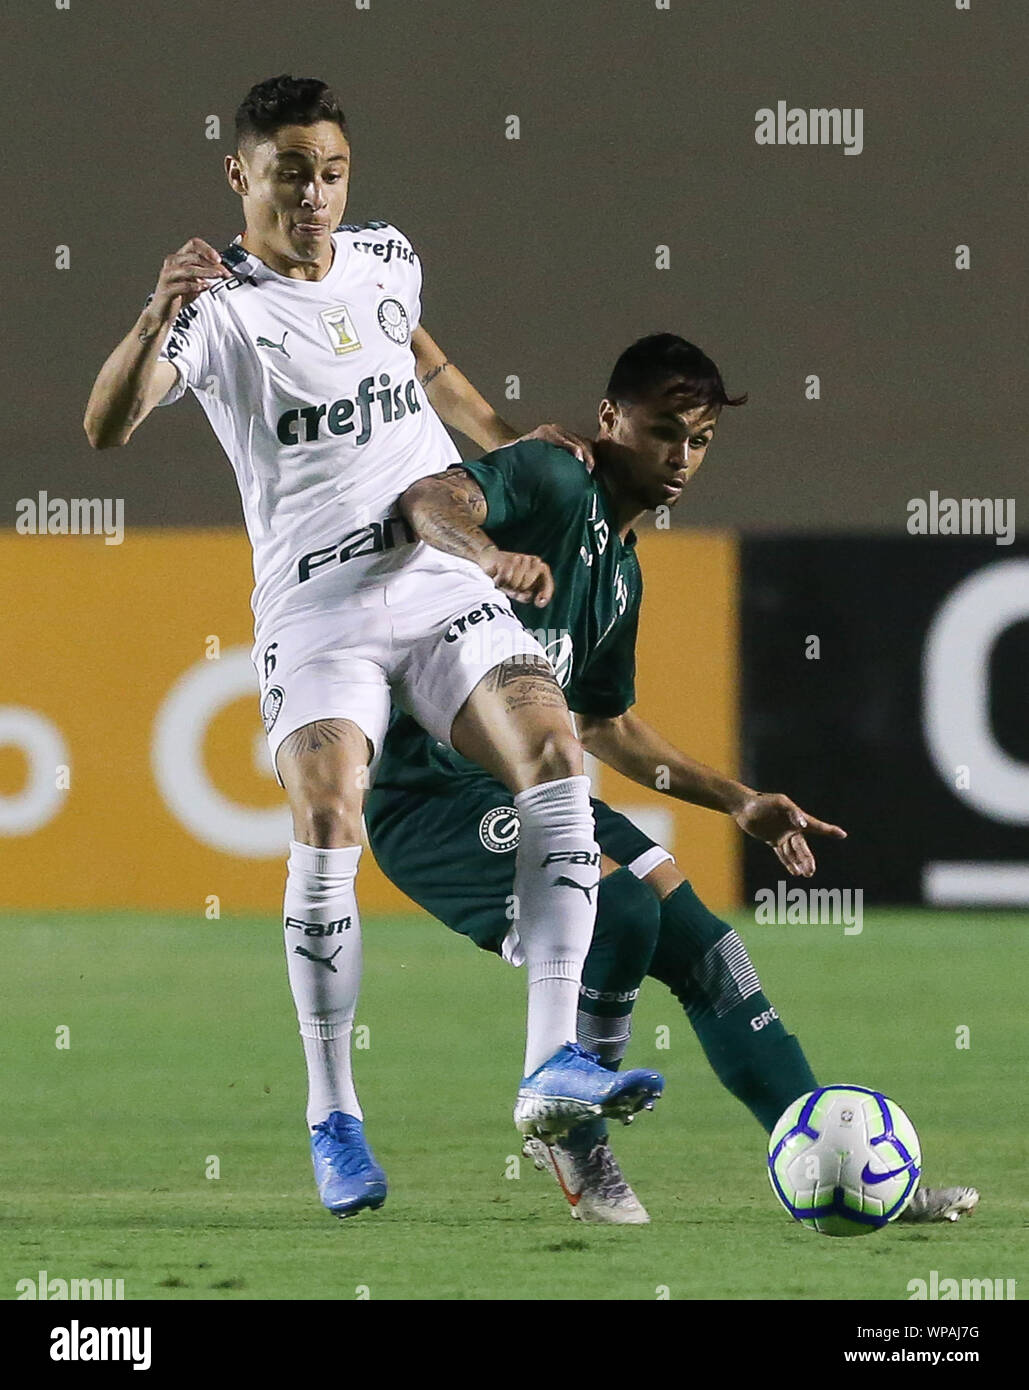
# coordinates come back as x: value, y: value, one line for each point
x: 454, y: 852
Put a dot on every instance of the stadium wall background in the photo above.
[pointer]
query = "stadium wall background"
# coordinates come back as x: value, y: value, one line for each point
x: 139, y: 683
x: 541, y: 253
x: 134, y: 771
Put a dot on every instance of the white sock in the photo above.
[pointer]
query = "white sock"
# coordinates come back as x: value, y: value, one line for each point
x: 555, y: 919
x: 320, y: 918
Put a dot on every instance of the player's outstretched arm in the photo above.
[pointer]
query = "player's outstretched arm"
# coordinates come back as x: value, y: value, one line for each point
x: 635, y: 749
x: 133, y: 379
x: 446, y: 511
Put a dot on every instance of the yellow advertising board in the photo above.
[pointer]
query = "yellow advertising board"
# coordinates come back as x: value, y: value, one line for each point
x: 133, y: 767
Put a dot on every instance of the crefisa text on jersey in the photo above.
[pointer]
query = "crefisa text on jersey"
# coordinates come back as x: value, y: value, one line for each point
x: 394, y: 404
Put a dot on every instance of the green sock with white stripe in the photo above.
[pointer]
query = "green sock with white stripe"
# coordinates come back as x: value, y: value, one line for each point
x: 706, y: 966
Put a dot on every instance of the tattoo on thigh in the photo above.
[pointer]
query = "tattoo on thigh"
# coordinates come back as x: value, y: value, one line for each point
x: 525, y: 681
x: 314, y: 736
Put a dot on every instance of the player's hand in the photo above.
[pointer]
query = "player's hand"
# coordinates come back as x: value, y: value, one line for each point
x: 784, y: 827
x: 184, y: 275
x: 525, y: 578
x: 564, y: 439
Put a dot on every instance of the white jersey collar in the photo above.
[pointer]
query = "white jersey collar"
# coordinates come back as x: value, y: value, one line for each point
x: 246, y: 266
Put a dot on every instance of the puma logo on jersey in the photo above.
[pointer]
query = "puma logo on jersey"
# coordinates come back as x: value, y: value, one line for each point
x: 279, y: 347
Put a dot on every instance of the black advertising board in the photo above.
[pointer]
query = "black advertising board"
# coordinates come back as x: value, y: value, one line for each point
x: 885, y: 686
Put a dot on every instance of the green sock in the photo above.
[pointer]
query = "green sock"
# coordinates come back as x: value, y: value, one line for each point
x: 627, y: 926
x: 705, y: 965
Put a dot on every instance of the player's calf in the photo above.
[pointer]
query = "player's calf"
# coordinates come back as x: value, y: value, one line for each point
x: 320, y: 764
x: 624, y: 936
x: 706, y: 966
x: 516, y: 725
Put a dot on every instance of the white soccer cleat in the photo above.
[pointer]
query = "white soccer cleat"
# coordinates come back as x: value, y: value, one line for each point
x: 940, y: 1204
x: 591, y: 1181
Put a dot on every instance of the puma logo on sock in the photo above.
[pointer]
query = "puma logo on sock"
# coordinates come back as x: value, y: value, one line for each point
x: 564, y: 882
x: 322, y: 960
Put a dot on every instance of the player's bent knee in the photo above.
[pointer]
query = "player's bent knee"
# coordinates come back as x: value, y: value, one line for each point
x: 628, y: 919
x: 326, y: 824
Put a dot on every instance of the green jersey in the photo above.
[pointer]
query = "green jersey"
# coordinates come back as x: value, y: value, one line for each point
x: 541, y: 501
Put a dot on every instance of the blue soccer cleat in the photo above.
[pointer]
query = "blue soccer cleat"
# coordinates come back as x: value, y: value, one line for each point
x: 348, y: 1177
x: 572, y: 1085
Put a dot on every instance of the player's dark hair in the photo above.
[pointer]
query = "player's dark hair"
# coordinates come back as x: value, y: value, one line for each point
x: 663, y: 357
x: 283, y: 101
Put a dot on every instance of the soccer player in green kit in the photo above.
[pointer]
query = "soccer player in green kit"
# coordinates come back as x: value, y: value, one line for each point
x: 558, y: 541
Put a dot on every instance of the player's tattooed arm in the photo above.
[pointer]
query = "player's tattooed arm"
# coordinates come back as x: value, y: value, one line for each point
x: 446, y: 510
x: 433, y: 373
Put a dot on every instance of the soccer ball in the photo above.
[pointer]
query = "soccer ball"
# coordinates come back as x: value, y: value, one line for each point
x: 844, y: 1160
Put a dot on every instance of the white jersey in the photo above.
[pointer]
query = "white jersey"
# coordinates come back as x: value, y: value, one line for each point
x: 310, y: 386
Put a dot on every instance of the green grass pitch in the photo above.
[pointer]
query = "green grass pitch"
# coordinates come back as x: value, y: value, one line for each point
x: 183, y: 1051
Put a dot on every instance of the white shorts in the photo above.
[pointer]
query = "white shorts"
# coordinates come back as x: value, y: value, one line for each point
x: 424, y: 639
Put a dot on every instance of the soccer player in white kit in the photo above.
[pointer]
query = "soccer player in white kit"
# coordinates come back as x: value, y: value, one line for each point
x: 304, y: 347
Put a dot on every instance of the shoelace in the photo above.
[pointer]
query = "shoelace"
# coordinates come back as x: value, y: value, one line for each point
x: 353, y: 1159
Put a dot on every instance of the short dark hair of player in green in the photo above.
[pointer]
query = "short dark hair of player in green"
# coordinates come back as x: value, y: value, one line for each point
x: 285, y: 100
x: 663, y: 357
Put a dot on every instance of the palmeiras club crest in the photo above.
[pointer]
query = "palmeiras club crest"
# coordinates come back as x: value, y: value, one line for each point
x: 270, y: 706
x: 393, y: 321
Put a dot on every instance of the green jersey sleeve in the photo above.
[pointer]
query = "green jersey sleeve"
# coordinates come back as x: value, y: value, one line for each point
x: 528, y: 481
